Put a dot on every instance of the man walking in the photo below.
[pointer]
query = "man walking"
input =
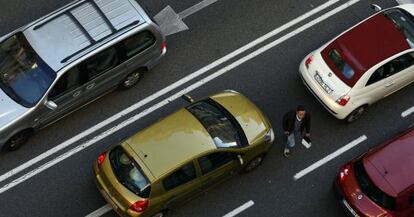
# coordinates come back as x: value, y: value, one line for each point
x: 295, y: 125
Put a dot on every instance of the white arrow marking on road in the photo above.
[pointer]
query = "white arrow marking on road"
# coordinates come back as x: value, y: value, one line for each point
x: 100, y: 211
x: 329, y: 157
x: 239, y: 209
x: 407, y: 112
x: 171, y: 22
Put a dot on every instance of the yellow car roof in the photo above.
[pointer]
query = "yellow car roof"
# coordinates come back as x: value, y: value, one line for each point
x: 170, y: 142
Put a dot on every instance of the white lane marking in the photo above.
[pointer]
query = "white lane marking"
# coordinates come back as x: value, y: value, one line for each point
x: 173, y: 97
x: 407, y: 112
x: 100, y: 211
x: 195, y: 8
x: 165, y: 91
x: 169, y: 21
x: 405, y: 1
x: 240, y: 209
x: 329, y: 157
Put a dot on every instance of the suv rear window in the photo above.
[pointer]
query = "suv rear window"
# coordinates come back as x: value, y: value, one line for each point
x: 371, y: 190
x: 341, y: 64
x: 128, y: 172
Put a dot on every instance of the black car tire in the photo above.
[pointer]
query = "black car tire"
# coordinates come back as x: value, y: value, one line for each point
x: 132, y: 79
x: 356, y: 114
x: 18, y: 140
x: 253, y: 164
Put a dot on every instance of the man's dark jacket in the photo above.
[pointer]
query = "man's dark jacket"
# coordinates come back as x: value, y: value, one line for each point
x: 289, y: 122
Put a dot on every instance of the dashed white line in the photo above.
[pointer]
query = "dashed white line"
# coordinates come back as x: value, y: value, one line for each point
x: 166, y: 90
x: 407, y: 112
x: 329, y: 157
x: 100, y: 211
x: 239, y: 209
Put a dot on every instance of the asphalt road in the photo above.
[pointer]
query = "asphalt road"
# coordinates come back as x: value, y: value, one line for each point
x: 270, y: 80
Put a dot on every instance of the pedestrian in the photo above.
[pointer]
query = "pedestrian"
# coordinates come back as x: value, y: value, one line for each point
x: 296, y: 126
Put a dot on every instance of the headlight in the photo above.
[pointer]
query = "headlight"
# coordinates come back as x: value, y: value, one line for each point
x: 270, y: 136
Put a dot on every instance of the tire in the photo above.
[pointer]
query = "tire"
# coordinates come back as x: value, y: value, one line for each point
x: 18, y: 140
x: 160, y: 214
x: 132, y: 79
x: 253, y: 164
x: 356, y: 114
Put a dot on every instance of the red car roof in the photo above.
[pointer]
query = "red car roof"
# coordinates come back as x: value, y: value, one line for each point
x: 391, y: 167
x: 365, y: 45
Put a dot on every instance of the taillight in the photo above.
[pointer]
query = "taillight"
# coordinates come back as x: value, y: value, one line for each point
x: 164, y: 46
x: 308, y: 61
x: 101, y: 158
x: 344, y: 172
x: 343, y: 100
x: 139, y: 206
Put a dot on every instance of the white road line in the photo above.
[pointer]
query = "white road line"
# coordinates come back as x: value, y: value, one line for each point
x: 329, y: 157
x: 165, y: 90
x: 239, y: 209
x: 100, y: 211
x: 173, y: 97
x: 407, y: 112
x: 405, y: 1
x: 193, y: 9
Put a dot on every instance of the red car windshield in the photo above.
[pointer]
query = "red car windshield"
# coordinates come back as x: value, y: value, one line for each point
x: 370, y: 189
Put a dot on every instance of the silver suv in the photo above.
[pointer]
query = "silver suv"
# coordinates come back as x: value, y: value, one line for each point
x: 70, y: 57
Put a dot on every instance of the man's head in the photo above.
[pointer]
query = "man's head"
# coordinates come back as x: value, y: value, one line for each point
x: 300, y: 111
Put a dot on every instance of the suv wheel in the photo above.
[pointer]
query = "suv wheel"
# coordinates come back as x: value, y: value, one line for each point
x: 355, y: 114
x: 253, y: 164
x: 132, y: 79
x: 18, y: 140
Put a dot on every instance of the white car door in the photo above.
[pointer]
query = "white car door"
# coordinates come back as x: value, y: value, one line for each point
x: 399, y: 73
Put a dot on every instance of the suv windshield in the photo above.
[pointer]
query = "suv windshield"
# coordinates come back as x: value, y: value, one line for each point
x: 219, y: 123
x: 371, y: 190
x: 128, y: 173
x: 24, y: 76
x: 403, y: 21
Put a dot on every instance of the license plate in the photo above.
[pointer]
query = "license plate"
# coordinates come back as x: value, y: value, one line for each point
x: 320, y: 81
x: 352, y: 211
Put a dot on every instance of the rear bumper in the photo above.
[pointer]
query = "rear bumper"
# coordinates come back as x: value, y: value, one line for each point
x: 104, y: 192
x: 331, y: 106
x: 345, y: 205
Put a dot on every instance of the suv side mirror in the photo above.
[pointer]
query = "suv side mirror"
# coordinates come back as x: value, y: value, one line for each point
x: 187, y: 98
x: 376, y: 7
x: 240, y: 159
x: 51, y: 105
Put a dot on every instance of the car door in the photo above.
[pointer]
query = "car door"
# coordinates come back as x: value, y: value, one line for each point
x: 217, y: 166
x: 102, y: 72
x: 180, y: 185
x: 66, y: 93
x: 398, y: 73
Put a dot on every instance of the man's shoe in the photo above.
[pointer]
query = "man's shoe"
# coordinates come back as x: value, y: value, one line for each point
x: 286, y: 152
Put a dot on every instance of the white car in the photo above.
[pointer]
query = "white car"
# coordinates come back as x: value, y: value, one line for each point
x: 364, y: 64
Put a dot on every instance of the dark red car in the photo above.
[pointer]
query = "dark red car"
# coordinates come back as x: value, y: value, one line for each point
x: 380, y: 182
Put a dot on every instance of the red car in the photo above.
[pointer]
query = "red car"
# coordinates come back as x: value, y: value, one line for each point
x: 380, y: 182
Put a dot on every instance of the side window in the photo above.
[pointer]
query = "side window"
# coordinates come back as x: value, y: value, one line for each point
x: 213, y: 161
x: 394, y: 66
x: 179, y: 177
x: 136, y: 43
x: 68, y: 82
x: 100, y: 63
x: 412, y: 200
